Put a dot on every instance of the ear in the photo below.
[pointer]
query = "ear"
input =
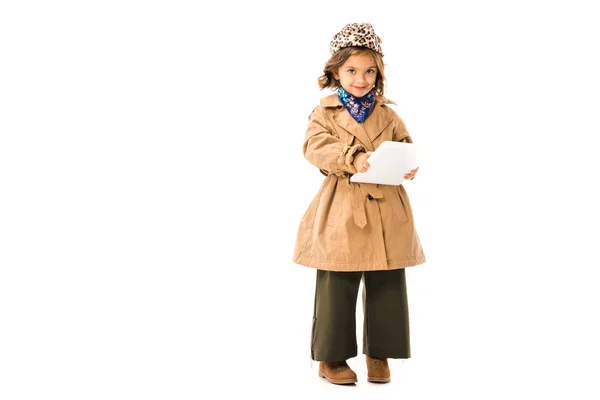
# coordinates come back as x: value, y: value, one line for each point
x: 336, y: 75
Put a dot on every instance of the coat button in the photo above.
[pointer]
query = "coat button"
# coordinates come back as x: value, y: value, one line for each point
x: 370, y: 197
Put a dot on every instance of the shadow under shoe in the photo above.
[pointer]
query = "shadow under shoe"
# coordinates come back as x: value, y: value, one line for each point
x: 378, y: 370
x: 337, y: 372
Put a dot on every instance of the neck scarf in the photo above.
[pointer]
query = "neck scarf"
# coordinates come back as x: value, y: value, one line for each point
x: 358, y: 107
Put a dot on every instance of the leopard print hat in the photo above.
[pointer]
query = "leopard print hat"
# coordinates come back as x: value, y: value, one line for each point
x: 356, y: 35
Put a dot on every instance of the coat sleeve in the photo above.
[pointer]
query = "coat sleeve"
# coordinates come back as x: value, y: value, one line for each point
x: 325, y: 151
x: 400, y: 132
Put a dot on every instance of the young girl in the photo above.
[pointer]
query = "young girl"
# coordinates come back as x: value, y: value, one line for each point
x: 356, y: 231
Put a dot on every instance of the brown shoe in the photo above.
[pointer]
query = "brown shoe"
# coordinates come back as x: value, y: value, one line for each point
x: 378, y: 370
x: 337, y: 372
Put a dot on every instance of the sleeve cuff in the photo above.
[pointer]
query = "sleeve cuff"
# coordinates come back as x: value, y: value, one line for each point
x: 347, y: 157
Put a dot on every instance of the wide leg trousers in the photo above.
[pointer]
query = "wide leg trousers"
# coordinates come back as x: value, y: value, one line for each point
x: 385, y: 315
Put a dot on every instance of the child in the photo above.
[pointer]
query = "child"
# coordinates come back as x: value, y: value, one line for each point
x: 356, y: 231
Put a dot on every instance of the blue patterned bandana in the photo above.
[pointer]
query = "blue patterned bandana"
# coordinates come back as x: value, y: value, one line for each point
x: 358, y: 107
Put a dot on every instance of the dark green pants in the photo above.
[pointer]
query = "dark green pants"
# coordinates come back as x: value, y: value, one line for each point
x: 385, y: 315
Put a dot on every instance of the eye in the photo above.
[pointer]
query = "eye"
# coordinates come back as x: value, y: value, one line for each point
x: 351, y: 70
x: 371, y: 71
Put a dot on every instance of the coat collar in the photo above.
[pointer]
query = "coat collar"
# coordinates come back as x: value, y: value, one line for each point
x: 373, y: 126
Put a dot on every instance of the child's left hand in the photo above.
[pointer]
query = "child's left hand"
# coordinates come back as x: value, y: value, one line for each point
x: 411, y: 174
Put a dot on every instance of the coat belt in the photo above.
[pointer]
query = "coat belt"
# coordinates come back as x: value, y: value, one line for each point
x: 362, y: 191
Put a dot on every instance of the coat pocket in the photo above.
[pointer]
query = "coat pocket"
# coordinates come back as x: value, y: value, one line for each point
x: 394, y: 199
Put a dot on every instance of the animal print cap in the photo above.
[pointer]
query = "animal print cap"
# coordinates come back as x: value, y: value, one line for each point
x: 356, y: 35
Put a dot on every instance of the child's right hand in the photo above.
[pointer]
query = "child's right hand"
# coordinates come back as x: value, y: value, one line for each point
x: 360, y: 161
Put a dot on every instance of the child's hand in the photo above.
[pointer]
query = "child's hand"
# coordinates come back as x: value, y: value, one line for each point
x: 411, y: 174
x: 360, y: 161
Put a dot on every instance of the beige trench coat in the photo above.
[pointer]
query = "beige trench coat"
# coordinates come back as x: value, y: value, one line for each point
x: 354, y: 226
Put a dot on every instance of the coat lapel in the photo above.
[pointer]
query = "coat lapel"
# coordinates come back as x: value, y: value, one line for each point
x: 345, y: 120
x: 377, y: 121
x: 374, y: 125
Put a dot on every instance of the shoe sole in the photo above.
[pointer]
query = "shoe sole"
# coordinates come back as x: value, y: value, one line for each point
x: 379, y: 380
x: 337, y: 381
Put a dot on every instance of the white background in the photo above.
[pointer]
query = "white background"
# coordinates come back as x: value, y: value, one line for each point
x: 152, y: 181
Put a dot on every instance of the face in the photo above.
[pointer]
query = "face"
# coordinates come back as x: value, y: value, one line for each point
x: 358, y: 74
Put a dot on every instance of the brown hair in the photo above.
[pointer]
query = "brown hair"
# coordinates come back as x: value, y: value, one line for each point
x: 327, y: 80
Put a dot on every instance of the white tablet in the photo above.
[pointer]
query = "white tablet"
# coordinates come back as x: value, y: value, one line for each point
x: 388, y: 164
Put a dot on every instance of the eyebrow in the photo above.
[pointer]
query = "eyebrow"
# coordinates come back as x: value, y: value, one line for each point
x: 371, y: 67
